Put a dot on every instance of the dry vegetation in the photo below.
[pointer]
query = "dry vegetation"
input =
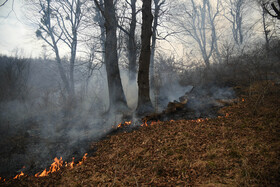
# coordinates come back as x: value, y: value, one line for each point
x: 242, y: 149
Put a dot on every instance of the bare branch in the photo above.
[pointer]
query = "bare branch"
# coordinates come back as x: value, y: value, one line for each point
x: 4, y: 3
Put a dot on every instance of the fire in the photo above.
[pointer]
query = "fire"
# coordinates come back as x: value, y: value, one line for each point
x: 199, y: 120
x: 17, y: 176
x: 58, y: 164
x: 243, y: 99
x: 55, y: 166
x: 126, y: 123
x: 145, y: 124
x: 84, y: 158
x: 71, y: 165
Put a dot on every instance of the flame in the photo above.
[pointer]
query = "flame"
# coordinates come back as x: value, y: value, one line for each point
x: 145, y: 124
x: 126, y: 123
x: 55, y: 166
x: 242, y: 99
x: 58, y: 164
x: 84, y: 158
x: 17, y: 176
x: 71, y: 165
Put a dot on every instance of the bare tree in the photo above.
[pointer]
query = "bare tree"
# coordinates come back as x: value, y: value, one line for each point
x: 132, y: 46
x: 144, y: 101
x: 265, y: 26
x: 157, y: 8
x: 198, y: 22
x: 131, y: 43
x: 273, y: 11
x: 60, y: 23
x: 236, y: 9
x: 101, y: 23
x: 117, y: 98
x: 267, y: 23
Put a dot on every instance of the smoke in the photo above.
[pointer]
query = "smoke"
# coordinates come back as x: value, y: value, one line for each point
x: 37, y: 129
x: 130, y: 90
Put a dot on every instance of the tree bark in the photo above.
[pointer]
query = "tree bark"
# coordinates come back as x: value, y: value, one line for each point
x: 132, y: 50
x: 144, y: 101
x: 154, y: 37
x: 117, y: 100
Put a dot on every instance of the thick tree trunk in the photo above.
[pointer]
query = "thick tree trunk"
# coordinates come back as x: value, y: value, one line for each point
x: 132, y: 50
x: 144, y: 101
x: 116, y: 94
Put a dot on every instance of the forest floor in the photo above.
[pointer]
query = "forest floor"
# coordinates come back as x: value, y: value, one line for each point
x: 241, y: 148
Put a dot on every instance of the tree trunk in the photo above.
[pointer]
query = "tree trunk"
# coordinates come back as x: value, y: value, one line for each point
x: 132, y: 50
x: 144, y: 101
x: 117, y: 99
x: 101, y: 23
x: 154, y: 37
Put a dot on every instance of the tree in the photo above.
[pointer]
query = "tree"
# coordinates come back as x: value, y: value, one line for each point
x: 132, y: 46
x: 101, y: 23
x: 268, y: 31
x: 158, y: 4
x: 198, y: 22
x: 131, y: 43
x: 265, y: 25
x: 117, y: 98
x: 60, y: 23
x: 235, y: 17
x: 276, y: 11
x: 144, y: 101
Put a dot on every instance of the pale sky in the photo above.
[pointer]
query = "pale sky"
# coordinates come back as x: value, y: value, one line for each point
x: 17, y: 34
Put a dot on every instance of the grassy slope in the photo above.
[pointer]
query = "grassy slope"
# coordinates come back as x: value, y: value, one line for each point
x: 242, y: 149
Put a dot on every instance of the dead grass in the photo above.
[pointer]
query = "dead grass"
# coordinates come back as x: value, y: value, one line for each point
x: 242, y: 149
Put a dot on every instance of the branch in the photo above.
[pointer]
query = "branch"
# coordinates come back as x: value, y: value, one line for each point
x: 4, y: 3
x: 122, y: 29
x: 275, y: 9
x: 99, y: 8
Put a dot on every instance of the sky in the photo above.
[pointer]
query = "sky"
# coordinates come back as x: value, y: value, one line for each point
x: 17, y: 33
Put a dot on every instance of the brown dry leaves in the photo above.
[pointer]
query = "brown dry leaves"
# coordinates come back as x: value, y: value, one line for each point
x: 242, y: 149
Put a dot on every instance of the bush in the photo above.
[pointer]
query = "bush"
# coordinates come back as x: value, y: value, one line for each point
x: 14, y: 73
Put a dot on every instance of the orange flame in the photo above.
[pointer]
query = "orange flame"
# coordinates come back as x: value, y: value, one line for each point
x: 71, y: 165
x: 17, y: 176
x: 55, y: 166
x: 84, y: 158
x: 126, y: 123
x: 58, y: 164
x: 144, y: 124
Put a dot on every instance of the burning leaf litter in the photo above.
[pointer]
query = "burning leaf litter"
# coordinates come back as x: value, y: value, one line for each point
x: 239, y: 148
x: 55, y: 166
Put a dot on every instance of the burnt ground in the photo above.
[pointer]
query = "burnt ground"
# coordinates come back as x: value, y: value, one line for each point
x: 242, y: 148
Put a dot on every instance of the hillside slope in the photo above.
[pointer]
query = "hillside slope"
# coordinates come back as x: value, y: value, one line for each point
x: 240, y: 148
